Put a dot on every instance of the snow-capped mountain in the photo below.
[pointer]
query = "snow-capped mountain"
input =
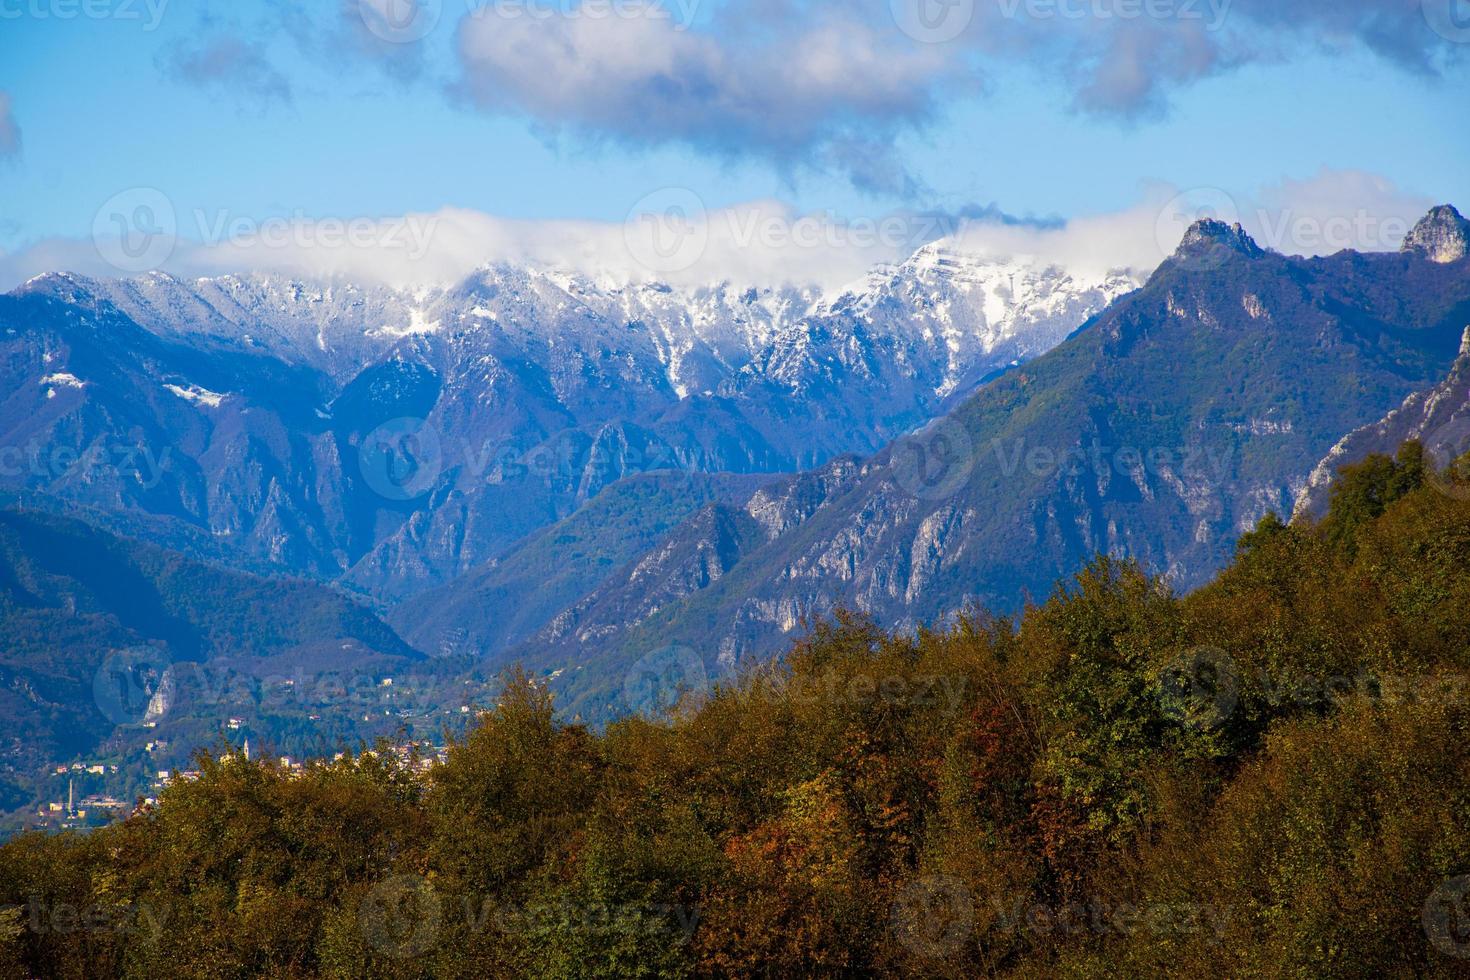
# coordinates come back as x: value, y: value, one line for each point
x: 1173, y: 423
x: 627, y: 451
x: 978, y: 314
x: 338, y: 327
x: 530, y: 390
x: 966, y: 311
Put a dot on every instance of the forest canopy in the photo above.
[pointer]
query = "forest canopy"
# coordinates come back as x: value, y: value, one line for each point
x: 1267, y: 777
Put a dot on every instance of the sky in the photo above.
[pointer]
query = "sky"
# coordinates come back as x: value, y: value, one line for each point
x: 412, y: 140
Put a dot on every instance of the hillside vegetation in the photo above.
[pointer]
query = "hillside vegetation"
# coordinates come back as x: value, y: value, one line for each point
x: 1267, y: 777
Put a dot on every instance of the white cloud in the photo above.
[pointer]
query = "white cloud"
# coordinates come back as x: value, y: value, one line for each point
x: 795, y: 82
x: 757, y: 243
x: 1334, y: 210
x: 825, y: 79
x: 829, y: 86
x: 1320, y: 215
x: 671, y: 238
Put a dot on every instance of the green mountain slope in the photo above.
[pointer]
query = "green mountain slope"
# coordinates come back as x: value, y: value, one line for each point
x: 1164, y: 428
x: 112, y: 642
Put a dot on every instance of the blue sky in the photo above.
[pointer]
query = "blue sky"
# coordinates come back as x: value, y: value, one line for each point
x: 529, y: 110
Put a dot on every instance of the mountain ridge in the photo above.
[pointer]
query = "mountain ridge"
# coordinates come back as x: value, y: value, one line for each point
x: 1240, y: 373
x: 531, y: 391
x: 1238, y: 367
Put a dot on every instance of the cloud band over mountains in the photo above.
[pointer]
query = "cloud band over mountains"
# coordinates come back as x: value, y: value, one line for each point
x: 670, y: 236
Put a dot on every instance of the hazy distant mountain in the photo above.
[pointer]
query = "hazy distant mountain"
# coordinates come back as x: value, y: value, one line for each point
x: 104, y: 633
x: 1170, y: 424
x: 577, y: 470
x: 396, y: 439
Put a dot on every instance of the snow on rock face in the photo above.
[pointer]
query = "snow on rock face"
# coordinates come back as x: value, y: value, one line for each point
x: 578, y: 382
x: 973, y: 314
x: 64, y: 380
x: 197, y: 395
x: 329, y: 324
x: 944, y: 318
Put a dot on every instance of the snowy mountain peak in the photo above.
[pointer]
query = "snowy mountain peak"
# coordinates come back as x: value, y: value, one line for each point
x: 942, y: 319
x: 973, y: 314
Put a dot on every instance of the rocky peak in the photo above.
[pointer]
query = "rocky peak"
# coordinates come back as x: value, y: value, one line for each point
x: 1208, y: 234
x: 1442, y: 236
